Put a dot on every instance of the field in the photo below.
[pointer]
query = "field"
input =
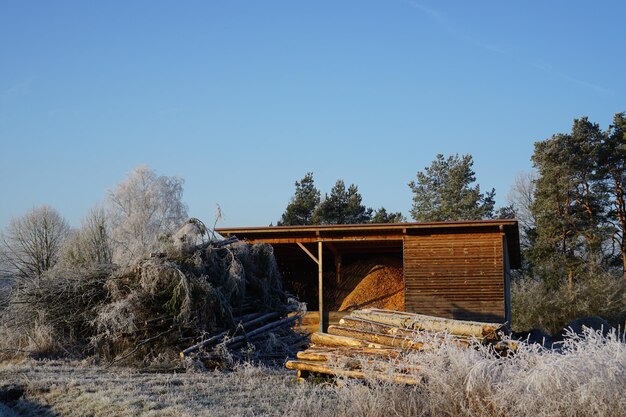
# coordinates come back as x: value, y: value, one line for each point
x: 587, y: 376
x: 56, y: 388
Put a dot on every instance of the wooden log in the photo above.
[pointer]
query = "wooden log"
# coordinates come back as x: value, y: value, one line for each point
x: 371, y: 326
x: 382, y: 339
x: 386, y: 353
x: 261, y: 330
x: 252, y: 323
x: 302, y: 375
x: 369, y: 362
x: 328, y: 370
x: 334, y: 340
x: 430, y: 323
x: 328, y: 355
x: 213, y: 340
x: 246, y: 317
x: 308, y: 355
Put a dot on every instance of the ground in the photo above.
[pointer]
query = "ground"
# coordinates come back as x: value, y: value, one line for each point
x: 61, y: 388
x: 585, y: 376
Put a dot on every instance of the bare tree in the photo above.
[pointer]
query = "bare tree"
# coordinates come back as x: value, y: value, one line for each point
x: 521, y: 197
x: 91, y: 244
x: 32, y: 243
x: 141, y: 209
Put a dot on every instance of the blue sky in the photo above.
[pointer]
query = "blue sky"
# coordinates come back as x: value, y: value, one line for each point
x: 242, y: 98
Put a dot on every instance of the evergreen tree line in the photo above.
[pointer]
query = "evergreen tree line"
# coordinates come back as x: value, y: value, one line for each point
x: 342, y: 206
x: 443, y: 191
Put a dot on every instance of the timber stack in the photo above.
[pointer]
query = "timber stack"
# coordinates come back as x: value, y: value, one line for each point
x: 380, y: 344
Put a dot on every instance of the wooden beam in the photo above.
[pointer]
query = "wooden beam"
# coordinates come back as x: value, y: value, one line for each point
x: 308, y: 252
x: 313, y: 239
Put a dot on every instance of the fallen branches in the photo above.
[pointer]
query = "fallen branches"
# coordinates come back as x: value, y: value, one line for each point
x: 215, y: 339
x: 251, y: 332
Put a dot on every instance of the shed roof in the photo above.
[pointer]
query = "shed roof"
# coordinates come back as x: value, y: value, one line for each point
x: 369, y: 234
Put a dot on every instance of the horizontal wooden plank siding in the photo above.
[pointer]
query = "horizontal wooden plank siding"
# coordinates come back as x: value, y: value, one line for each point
x: 455, y: 275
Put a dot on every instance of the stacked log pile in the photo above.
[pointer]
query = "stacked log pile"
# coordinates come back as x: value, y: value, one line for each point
x: 374, y: 343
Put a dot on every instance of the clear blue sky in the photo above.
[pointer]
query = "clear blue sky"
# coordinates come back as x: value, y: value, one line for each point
x: 242, y: 98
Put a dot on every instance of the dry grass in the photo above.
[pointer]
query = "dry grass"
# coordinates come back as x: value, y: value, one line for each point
x: 72, y: 389
x: 587, y: 377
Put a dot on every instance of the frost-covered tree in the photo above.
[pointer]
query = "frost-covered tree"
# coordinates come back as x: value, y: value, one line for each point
x: 521, y: 197
x: 141, y: 209
x: 32, y: 243
x: 91, y: 244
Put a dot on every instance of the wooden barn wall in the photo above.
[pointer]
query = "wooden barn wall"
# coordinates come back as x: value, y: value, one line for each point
x: 458, y: 276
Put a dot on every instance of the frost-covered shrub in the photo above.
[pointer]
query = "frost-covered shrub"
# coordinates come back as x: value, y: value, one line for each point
x: 535, y: 306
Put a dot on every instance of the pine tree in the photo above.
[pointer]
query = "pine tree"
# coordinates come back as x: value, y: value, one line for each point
x: 570, y: 204
x: 444, y: 192
x: 342, y: 206
x: 300, y: 209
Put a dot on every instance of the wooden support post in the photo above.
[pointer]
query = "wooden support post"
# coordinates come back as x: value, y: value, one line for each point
x: 320, y: 283
x: 320, y: 277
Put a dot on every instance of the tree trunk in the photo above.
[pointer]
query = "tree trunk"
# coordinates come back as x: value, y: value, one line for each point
x: 335, y: 340
x: 370, y: 326
x: 430, y: 324
x: 324, y: 352
x: 328, y: 370
x: 365, y: 362
x: 402, y: 342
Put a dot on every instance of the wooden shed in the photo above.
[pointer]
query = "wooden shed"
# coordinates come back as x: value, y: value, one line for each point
x: 450, y: 269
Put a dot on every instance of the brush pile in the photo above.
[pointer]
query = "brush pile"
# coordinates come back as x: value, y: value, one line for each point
x: 374, y: 343
x: 216, y: 301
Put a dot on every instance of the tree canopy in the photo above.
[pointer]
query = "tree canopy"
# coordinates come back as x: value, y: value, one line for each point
x: 382, y: 216
x: 302, y: 206
x: 341, y: 206
x: 444, y: 191
x: 612, y: 161
x: 91, y: 244
x: 142, y: 208
x: 576, y: 222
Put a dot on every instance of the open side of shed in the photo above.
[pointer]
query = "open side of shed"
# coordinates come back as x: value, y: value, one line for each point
x: 450, y: 269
